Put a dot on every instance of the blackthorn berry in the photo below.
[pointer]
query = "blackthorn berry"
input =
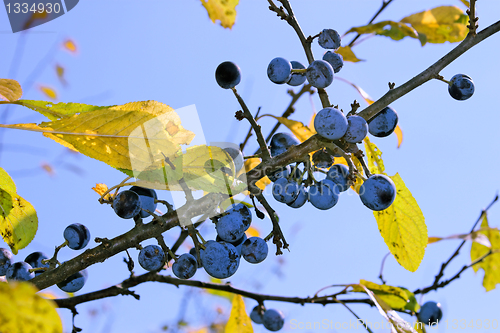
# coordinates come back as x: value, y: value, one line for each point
x: 297, y: 79
x: 430, y: 313
x: 461, y: 87
x: 285, y: 190
x: 280, y: 142
x: 152, y: 258
x: 256, y: 316
x: 301, y: 198
x: 377, y: 192
x: 5, y: 260
x: 320, y: 74
x: 35, y: 261
x: 254, y: 250
x: 357, y: 128
x: 279, y: 70
x: 147, y: 197
x: 227, y: 75
x: 329, y: 39
x: 77, y: 235
x: 19, y: 271
x: 338, y: 174
x: 185, y: 267
x: 273, y: 320
x: 74, y: 282
x: 330, y: 123
x: 384, y: 123
x: 324, y: 194
x: 232, y: 226
x: 220, y: 259
x: 127, y: 204
x: 334, y: 59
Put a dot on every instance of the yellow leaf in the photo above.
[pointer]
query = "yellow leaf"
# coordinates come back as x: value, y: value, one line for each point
x: 101, y: 188
x: 394, y: 30
x: 6, y: 183
x: 374, y: 155
x: 491, y: 264
x: 347, y: 54
x: 252, y: 163
x: 301, y: 131
x: 398, y: 324
x: 363, y: 93
x: 466, y: 2
x: 440, y: 24
x: 25, y: 311
x: 431, y: 240
x: 252, y: 232
x: 395, y: 297
x: 136, y: 136
x: 221, y: 10
x: 399, y: 134
x: 49, y: 92
x: 70, y: 45
x: 10, y: 90
x: 359, y: 181
x: 59, y: 110
x: 60, y: 74
x: 403, y: 228
x: 18, y: 220
x: 419, y: 327
x: 238, y: 322
x: 475, y: 236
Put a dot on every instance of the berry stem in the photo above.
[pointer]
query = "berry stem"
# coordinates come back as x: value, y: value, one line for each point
x: 278, y: 237
x: 299, y: 71
x: 440, y: 78
x: 266, y: 155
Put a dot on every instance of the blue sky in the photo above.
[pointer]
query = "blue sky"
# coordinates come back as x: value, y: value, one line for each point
x: 168, y: 51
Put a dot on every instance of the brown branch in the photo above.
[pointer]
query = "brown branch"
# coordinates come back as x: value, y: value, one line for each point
x: 123, y: 289
x: 438, y: 277
x: 429, y: 73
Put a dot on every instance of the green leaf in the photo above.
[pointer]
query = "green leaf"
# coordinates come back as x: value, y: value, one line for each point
x: 412, y: 304
x: 491, y: 264
x: 221, y: 10
x: 238, y: 322
x: 440, y: 24
x: 395, y: 297
x: 347, y: 54
x: 402, y: 225
x: 18, y: 220
x: 394, y: 30
x: 25, y: 311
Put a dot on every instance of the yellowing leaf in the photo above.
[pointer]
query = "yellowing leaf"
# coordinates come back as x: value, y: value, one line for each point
x: 6, y: 183
x: 301, y: 131
x: 403, y: 228
x: 363, y: 93
x: 398, y: 324
x: 70, y: 45
x: 221, y: 10
x: 59, y: 110
x: 220, y: 293
x: 399, y: 134
x: 491, y: 264
x: 10, y: 90
x: 25, y: 311
x: 101, y: 188
x: 395, y: 297
x: 347, y: 54
x: 440, y: 24
x: 18, y: 220
x: 134, y: 136
x: 49, y: 92
x: 252, y: 232
x: 374, y: 155
x: 60, y: 74
x: 466, y: 2
x: 359, y: 181
x: 475, y: 236
x: 394, y: 30
x: 252, y: 163
x: 238, y: 322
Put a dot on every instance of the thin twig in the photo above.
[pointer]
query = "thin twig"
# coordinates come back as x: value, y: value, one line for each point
x: 278, y: 237
x: 381, y: 9
x: 380, y: 276
x: 266, y: 155
x: 249, y: 134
